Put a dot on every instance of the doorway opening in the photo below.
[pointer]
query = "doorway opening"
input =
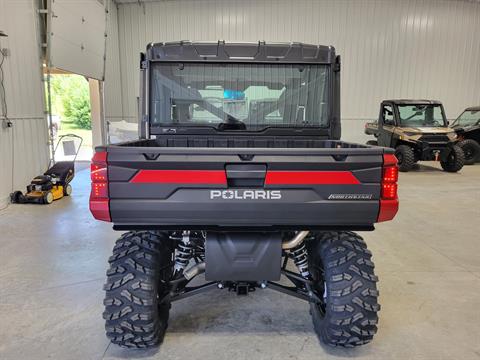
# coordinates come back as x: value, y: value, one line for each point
x: 71, y: 114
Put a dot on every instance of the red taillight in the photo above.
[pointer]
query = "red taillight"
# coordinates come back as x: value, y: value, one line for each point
x: 98, y: 173
x: 99, y: 190
x: 390, y: 174
x: 100, y: 157
x: 389, y: 196
x: 99, y: 202
x: 389, y: 191
x: 100, y: 209
x: 388, y: 210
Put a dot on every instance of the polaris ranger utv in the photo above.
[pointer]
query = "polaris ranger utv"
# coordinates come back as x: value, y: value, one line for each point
x: 418, y: 131
x: 467, y: 127
x: 239, y: 174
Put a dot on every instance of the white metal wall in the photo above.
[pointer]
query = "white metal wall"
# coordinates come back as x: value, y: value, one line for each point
x: 389, y: 48
x: 26, y: 143
x: 113, y: 81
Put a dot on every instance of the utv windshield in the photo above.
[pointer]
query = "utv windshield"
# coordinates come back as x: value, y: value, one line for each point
x: 245, y: 96
x: 468, y: 118
x: 421, y: 115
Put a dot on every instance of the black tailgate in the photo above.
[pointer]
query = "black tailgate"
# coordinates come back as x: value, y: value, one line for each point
x: 205, y: 188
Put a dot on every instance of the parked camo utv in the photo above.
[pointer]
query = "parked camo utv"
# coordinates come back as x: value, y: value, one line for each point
x: 467, y: 127
x: 418, y: 131
x: 239, y: 174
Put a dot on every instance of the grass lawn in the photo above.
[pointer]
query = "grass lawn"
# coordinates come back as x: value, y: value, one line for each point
x: 68, y: 127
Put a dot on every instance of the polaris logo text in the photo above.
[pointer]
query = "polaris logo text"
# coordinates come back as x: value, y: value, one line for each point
x: 246, y: 194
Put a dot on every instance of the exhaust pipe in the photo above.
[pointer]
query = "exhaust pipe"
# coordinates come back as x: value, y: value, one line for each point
x: 295, y: 241
x: 195, y: 270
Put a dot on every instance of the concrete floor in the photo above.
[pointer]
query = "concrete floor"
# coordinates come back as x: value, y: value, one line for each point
x: 53, y: 260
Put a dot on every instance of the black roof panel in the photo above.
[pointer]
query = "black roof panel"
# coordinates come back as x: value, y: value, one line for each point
x: 222, y: 51
x: 413, y: 102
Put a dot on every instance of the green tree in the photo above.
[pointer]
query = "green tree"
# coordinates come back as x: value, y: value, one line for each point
x: 71, y: 99
x: 76, y: 104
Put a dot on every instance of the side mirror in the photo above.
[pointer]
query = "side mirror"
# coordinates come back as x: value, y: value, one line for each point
x: 389, y: 122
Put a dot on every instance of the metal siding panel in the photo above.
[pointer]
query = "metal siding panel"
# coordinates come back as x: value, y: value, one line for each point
x: 24, y: 95
x: 113, y: 84
x: 389, y: 48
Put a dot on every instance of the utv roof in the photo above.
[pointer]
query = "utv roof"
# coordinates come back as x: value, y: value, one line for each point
x: 245, y: 52
x: 473, y: 108
x: 413, y: 102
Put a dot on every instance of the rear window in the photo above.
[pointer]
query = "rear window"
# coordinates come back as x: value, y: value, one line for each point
x: 257, y: 95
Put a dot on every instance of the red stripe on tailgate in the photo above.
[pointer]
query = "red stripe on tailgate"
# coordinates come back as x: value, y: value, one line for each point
x: 216, y: 177
x: 310, y: 178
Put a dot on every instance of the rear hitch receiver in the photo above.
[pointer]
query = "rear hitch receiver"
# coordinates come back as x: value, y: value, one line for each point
x: 242, y: 287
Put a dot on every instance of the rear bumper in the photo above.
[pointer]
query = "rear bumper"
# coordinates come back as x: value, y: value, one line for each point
x: 166, y: 214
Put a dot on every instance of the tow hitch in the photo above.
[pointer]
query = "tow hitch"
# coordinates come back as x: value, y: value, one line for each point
x: 241, y: 288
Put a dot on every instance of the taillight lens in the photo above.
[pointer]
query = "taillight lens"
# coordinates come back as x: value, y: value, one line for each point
x: 99, y: 190
x: 99, y: 201
x: 98, y: 173
x: 389, y: 191
x: 390, y: 174
x: 389, y: 194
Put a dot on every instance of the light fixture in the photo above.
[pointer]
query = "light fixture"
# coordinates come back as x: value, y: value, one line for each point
x: 3, y: 34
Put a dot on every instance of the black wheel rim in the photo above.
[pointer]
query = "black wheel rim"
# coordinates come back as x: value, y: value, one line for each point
x: 468, y: 151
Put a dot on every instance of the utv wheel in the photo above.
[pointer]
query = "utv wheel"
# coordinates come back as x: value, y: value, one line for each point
x: 405, y: 157
x: 454, y: 161
x: 343, y: 276
x: 48, y: 197
x: 471, y: 151
x: 372, y: 142
x: 137, y: 280
x: 67, y: 190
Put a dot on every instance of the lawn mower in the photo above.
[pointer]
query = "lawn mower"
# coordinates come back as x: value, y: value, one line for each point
x: 54, y: 184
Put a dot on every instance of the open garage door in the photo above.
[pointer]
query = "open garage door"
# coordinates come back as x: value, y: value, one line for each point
x: 76, y: 37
